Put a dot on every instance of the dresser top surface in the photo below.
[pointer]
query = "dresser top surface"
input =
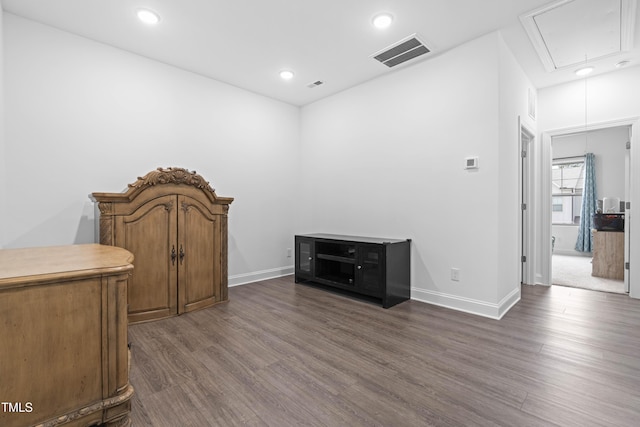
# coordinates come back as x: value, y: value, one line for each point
x: 49, y: 262
x: 357, y: 239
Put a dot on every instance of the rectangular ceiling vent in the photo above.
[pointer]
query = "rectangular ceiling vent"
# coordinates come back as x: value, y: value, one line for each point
x: 315, y: 84
x: 398, y: 53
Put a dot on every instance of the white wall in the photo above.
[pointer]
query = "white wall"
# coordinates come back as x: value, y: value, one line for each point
x: 84, y: 117
x: 611, y: 97
x: 2, y: 150
x: 514, y: 88
x: 386, y: 158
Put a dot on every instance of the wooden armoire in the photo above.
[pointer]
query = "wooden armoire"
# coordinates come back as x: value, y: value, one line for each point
x: 176, y: 227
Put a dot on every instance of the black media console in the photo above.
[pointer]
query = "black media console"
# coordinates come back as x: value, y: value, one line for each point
x: 378, y: 269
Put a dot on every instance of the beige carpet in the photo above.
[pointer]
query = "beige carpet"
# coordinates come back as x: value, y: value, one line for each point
x: 575, y: 271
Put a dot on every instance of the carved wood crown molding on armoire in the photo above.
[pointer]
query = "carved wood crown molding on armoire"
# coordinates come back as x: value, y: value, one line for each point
x: 176, y: 226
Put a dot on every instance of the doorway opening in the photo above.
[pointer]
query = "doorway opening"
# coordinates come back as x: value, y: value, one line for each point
x: 599, y: 264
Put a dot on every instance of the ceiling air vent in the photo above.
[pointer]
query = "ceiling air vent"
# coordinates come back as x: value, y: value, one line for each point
x: 402, y: 51
x: 315, y: 84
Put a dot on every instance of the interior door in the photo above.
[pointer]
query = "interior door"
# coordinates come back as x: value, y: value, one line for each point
x: 198, y: 249
x: 150, y: 235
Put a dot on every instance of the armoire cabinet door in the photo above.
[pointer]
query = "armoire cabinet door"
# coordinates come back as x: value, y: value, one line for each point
x: 150, y: 233
x: 176, y: 226
x: 199, y: 255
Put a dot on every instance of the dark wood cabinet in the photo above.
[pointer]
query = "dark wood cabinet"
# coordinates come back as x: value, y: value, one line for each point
x: 375, y: 268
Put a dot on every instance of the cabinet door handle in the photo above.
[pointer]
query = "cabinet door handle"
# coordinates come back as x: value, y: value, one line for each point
x: 359, y: 267
x: 181, y: 254
x: 310, y: 258
x: 173, y: 255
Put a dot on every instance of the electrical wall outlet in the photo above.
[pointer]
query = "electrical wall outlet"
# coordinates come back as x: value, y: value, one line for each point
x: 288, y: 252
x: 455, y: 274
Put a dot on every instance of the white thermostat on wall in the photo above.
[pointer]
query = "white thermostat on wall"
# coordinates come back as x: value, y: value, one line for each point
x: 471, y: 162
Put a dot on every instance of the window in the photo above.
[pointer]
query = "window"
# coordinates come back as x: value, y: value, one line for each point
x: 557, y: 204
x: 567, y: 182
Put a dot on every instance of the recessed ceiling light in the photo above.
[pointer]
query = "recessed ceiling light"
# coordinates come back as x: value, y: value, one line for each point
x: 622, y: 64
x: 148, y: 16
x: 286, y: 74
x: 584, y: 71
x: 382, y: 20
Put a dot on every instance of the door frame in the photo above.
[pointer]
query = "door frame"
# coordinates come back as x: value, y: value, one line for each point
x: 544, y: 238
x: 526, y: 191
x: 627, y: 195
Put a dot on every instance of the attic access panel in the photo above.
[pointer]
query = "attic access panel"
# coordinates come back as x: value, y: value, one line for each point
x: 566, y: 33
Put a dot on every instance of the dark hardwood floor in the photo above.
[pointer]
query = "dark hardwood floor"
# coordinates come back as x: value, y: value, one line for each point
x: 281, y: 354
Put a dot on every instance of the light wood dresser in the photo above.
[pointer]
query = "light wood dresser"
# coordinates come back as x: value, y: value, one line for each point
x: 176, y: 227
x: 64, y: 358
x: 608, y: 254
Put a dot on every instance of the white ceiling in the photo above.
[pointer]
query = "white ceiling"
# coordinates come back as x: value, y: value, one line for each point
x: 565, y: 28
x: 247, y: 42
x: 570, y: 33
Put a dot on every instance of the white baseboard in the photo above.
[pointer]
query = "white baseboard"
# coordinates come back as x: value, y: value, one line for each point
x: 509, y: 301
x: 256, y: 276
x: 468, y: 305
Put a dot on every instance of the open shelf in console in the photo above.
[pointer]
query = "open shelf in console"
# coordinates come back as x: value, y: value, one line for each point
x: 335, y: 271
x: 335, y: 262
x: 339, y: 250
x: 336, y: 258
